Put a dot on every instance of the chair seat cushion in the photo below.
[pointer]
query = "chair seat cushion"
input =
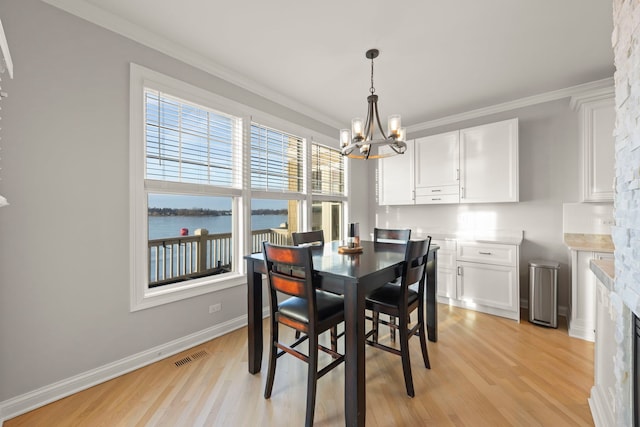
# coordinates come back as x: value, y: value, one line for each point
x: 328, y: 305
x: 389, y: 295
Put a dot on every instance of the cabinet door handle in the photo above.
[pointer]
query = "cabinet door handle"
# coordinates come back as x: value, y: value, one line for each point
x: 462, y: 192
x: 457, y: 174
x: 436, y: 198
x: 436, y: 191
x: 459, y: 271
x: 484, y: 253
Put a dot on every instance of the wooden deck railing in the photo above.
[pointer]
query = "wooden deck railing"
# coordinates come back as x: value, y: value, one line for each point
x: 176, y: 259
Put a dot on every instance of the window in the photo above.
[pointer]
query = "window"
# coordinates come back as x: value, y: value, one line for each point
x: 328, y: 191
x: 277, y: 169
x: 276, y: 160
x: 186, y: 170
x: 210, y: 180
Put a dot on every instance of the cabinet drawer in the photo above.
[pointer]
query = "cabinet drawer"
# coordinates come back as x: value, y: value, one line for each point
x: 436, y: 198
x: 487, y: 253
x: 434, y: 191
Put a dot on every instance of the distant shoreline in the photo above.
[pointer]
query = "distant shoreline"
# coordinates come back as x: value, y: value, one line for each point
x: 209, y: 212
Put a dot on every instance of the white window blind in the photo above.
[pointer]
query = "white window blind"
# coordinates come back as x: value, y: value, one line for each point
x: 327, y: 171
x: 276, y: 160
x: 189, y: 143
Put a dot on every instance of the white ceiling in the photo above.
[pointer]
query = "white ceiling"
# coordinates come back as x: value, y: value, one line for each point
x: 437, y: 58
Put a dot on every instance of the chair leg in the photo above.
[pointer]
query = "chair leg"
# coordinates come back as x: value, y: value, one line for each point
x: 423, y: 338
x: 392, y: 328
x: 404, y: 352
x: 273, y: 352
x: 312, y: 380
x: 334, y: 339
x: 375, y: 316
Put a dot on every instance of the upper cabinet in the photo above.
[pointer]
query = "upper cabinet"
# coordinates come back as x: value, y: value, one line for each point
x: 597, y: 121
x: 396, y: 178
x: 474, y: 165
x: 489, y: 163
x: 437, y: 168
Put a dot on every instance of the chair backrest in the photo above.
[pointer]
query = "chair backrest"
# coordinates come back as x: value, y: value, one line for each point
x: 301, y: 238
x: 289, y: 270
x: 415, y: 264
x: 391, y: 236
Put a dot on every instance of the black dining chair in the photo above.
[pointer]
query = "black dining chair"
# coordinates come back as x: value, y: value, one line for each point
x: 307, y: 310
x: 390, y: 235
x: 401, y: 301
x: 307, y: 237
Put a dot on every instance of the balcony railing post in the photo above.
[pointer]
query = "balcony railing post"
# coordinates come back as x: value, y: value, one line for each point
x: 202, y: 248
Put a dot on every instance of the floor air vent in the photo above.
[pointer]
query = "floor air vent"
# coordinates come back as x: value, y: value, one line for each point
x: 183, y: 361
x: 197, y: 355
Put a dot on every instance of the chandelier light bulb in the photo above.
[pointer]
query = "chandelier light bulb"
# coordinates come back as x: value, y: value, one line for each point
x: 394, y: 125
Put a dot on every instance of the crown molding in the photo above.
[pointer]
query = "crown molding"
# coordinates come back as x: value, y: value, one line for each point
x: 155, y: 41
x: 602, y: 88
x: 102, y: 18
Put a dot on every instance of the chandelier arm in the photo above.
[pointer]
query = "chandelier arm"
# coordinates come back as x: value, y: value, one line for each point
x: 368, y: 134
x: 375, y: 107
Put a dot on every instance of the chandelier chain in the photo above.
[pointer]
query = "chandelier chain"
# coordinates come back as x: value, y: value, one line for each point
x: 372, y: 90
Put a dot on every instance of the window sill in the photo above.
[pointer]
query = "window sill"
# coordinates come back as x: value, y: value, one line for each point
x: 180, y: 291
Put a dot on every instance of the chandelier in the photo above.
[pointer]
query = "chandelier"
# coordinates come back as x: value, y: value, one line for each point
x: 360, y: 142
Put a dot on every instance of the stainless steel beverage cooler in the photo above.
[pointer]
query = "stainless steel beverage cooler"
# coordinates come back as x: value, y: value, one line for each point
x: 543, y: 293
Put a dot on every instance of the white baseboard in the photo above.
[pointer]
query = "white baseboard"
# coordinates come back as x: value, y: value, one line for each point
x: 34, y: 399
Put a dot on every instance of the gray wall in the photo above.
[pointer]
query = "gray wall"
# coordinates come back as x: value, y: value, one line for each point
x: 549, y: 155
x: 64, y: 240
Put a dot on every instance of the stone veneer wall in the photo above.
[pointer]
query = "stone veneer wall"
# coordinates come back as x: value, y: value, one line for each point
x: 626, y: 233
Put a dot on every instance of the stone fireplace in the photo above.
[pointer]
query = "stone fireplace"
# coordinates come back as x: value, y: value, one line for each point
x: 625, y: 293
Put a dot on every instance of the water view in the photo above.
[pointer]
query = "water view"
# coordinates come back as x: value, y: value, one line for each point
x: 170, y: 226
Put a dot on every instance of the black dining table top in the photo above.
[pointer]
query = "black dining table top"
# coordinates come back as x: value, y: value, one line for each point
x: 373, y: 258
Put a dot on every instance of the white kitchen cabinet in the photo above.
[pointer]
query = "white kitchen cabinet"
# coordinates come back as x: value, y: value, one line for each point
x: 446, y: 272
x: 474, y: 165
x: 597, y: 119
x: 437, y: 168
x: 602, y: 400
x: 488, y: 286
x: 582, y: 318
x: 485, y: 277
x: 489, y: 163
x: 396, y: 178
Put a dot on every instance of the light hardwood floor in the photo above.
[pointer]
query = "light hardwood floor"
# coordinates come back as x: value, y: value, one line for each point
x: 486, y: 371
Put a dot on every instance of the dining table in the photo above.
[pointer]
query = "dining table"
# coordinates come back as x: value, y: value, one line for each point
x: 353, y: 275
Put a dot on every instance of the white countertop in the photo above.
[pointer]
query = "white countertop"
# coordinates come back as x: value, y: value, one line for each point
x: 509, y: 237
x: 589, y: 242
x: 605, y: 271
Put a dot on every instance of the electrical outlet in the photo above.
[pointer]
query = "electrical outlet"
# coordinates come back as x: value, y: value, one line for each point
x: 215, y: 308
x: 605, y: 221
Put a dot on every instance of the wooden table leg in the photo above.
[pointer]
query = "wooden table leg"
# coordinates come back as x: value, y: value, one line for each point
x: 355, y: 391
x: 431, y: 291
x: 254, y: 314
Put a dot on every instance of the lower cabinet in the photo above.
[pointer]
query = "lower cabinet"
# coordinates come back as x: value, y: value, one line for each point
x: 480, y: 276
x: 446, y: 268
x: 582, y: 318
x: 602, y: 401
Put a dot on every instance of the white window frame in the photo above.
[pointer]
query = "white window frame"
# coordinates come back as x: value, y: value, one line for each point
x: 142, y: 296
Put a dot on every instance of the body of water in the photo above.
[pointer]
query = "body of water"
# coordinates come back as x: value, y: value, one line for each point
x: 170, y: 226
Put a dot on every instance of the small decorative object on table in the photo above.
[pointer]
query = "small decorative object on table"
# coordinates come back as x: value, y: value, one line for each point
x: 348, y: 250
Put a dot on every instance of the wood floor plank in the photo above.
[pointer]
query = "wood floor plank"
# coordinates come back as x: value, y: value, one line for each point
x: 486, y: 371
